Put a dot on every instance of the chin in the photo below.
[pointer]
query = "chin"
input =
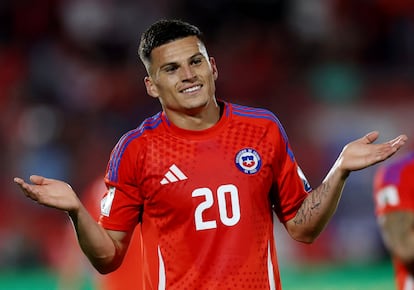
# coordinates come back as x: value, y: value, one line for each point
x: 197, y: 102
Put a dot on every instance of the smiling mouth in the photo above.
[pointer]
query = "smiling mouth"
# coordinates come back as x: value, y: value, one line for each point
x: 191, y: 89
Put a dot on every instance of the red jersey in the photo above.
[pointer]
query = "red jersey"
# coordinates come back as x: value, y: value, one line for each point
x: 394, y: 191
x: 205, y: 198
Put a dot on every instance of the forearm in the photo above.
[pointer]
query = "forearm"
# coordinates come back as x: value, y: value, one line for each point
x: 95, y: 242
x: 318, y: 208
x: 104, y: 249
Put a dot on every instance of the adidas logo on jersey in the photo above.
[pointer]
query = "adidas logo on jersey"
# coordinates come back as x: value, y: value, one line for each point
x: 174, y: 174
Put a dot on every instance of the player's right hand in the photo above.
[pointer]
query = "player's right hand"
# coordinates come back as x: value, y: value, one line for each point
x: 50, y: 192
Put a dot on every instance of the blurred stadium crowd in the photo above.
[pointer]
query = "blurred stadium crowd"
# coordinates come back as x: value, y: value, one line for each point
x: 71, y: 84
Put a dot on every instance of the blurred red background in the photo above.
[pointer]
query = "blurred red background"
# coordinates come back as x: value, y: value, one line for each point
x: 71, y: 84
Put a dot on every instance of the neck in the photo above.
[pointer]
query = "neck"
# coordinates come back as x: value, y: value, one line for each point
x: 202, y: 119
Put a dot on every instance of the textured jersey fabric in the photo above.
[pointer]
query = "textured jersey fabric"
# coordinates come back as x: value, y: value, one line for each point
x: 205, y: 198
x: 394, y: 191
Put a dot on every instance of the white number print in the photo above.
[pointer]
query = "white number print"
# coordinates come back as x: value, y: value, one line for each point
x: 208, y: 203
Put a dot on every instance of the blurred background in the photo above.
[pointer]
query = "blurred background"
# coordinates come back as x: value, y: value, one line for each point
x: 71, y: 84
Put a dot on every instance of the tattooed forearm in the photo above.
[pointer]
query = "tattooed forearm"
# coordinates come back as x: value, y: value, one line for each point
x: 311, y: 205
x: 317, y: 208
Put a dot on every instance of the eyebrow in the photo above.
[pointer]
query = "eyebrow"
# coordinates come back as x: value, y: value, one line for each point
x: 175, y: 63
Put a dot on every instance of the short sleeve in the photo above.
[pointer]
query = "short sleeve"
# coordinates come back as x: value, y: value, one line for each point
x: 121, y: 205
x: 393, y: 189
x: 290, y: 186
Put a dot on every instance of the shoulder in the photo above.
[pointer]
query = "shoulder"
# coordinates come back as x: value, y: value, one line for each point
x: 395, y: 175
x: 131, y: 146
x: 396, y: 167
x: 259, y: 117
x: 135, y: 139
x: 253, y: 113
x: 147, y: 126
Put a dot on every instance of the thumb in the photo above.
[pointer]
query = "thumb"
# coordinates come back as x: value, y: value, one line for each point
x: 37, y: 179
x: 371, y: 137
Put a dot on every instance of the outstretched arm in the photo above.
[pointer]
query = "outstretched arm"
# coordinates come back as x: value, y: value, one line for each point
x: 318, y: 208
x: 105, y: 249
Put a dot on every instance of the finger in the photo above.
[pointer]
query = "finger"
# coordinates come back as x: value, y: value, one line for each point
x: 29, y: 190
x: 26, y: 188
x: 371, y: 136
x: 18, y: 180
x: 392, y: 146
x: 37, y: 179
x: 23, y: 185
x: 399, y: 141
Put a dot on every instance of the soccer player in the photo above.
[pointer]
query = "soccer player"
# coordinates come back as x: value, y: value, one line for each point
x: 394, y: 202
x: 202, y: 178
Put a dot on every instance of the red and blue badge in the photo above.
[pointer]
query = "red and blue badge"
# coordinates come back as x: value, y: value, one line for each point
x: 248, y: 161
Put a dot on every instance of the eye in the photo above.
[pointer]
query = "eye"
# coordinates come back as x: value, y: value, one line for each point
x: 170, y: 68
x: 196, y: 60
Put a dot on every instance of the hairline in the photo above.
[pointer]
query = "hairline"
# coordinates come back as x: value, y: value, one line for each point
x: 154, y: 36
x: 147, y: 61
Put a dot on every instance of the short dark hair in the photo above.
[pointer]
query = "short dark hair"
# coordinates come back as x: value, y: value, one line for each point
x: 162, y: 32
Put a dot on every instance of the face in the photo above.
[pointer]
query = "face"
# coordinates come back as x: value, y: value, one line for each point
x: 182, y: 76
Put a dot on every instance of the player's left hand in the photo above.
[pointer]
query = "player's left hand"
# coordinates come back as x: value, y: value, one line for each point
x: 362, y: 153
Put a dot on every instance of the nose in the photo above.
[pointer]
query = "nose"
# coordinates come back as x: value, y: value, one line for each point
x: 187, y: 73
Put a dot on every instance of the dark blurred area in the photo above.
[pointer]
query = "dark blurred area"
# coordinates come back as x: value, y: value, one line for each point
x: 71, y: 85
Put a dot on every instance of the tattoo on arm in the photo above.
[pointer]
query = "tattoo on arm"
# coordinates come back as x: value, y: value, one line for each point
x: 311, y: 205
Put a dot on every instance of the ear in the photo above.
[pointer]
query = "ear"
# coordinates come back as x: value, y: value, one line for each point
x: 151, y: 88
x: 214, y: 67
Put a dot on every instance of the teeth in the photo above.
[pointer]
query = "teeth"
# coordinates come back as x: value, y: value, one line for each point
x: 192, y: 89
